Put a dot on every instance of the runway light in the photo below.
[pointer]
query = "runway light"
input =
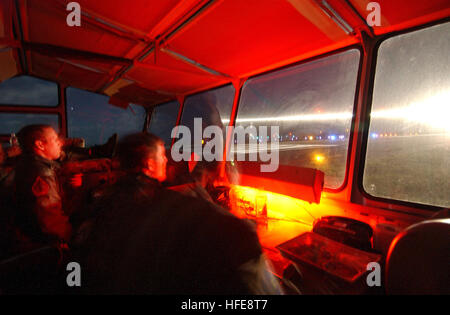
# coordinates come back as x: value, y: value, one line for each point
x: 310, y: 137
x: 332, y: 137
x: 319, y: 158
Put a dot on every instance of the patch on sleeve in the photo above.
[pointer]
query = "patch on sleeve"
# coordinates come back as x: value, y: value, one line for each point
x: 40, y: 187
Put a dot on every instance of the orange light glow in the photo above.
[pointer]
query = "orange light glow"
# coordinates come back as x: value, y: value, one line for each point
x: 278, y: 206
x: 319, y: 158
x: 286, y: 217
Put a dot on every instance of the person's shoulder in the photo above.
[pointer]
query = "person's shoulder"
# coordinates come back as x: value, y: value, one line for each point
x: 190, y: 202
x: 215, y: 216
x: 33, y: 166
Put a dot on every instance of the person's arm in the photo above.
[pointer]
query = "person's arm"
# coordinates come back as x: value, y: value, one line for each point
x: 48, y: 208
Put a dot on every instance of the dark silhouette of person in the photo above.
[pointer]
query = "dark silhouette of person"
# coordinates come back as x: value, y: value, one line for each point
x: 147, y: 239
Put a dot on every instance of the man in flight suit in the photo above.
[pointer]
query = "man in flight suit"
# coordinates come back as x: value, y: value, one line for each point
x: 150, y: 240
x: 39, y: 213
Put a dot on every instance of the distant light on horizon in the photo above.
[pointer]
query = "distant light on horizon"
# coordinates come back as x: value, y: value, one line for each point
x: 310, y: 117
x: 433, y: 111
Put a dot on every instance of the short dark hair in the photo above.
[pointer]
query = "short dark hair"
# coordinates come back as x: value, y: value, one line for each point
x: 135, y: 149
x: 28, y: 135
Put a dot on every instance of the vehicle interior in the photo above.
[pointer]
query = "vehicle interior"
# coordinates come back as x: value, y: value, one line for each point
x: 354, y: 94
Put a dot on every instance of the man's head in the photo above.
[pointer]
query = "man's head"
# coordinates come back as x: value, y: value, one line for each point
x: 144, y: 153
x: 41, y: 140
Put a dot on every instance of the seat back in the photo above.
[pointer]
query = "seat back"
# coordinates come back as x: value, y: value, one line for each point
x: 418, y: 260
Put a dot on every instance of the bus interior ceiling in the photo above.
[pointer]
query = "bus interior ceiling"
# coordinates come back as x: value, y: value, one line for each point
x: 315, y: 68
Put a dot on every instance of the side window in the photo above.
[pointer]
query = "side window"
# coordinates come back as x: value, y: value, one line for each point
x: 90, y: 116
x: 213, y: 107
x: 12, y: 122
x: 164, y: 118
x: 408, y: 149
x: 26, y: 90
x: 312, y: 104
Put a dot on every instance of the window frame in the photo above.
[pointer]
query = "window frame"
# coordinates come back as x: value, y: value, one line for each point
x: 152, y: 112
x: 5, y: 137
x: 374, y: 201
x: 66, y: 107
x: 358, y: 47
x: 58, y: 110
x: 206, y: 91
x: 58, y: 91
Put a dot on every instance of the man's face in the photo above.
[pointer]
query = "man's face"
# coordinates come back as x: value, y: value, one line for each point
x: 50, y: 145
x: 159, y: 163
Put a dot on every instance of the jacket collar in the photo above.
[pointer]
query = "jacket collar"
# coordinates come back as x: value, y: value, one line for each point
x: 146, y: 180
x: 42, y: 160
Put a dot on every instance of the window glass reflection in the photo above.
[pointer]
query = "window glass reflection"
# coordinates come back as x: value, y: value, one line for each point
x: 312, y: 104
x: 408, y: 150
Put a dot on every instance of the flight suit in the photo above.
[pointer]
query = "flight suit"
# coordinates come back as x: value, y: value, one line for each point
x: 38, y: 200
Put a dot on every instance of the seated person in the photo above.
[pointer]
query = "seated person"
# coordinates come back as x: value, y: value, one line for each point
x: 38, y: 199
x: 150, y: 240
x: 73, y: 149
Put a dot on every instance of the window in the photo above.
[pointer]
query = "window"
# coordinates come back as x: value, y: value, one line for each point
x: 408, y: 149
x: 213, y: 107
x: 89, y: 116
x: 25, y: 90
x: 312, y: 104
x: 12, y: 123
x: 164, y: 118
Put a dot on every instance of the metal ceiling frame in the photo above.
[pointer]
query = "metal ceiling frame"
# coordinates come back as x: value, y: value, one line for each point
x: 160, y: 42
x: 116, y: 29
x: 156, y: 45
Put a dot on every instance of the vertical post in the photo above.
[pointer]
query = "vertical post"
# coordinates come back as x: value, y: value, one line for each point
x: 237, y: 83
x: 362, y: 118
x: 62, y: 110
x: 180, y: 99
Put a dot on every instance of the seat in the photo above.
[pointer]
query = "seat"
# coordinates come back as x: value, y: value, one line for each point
x: 418, y: 259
